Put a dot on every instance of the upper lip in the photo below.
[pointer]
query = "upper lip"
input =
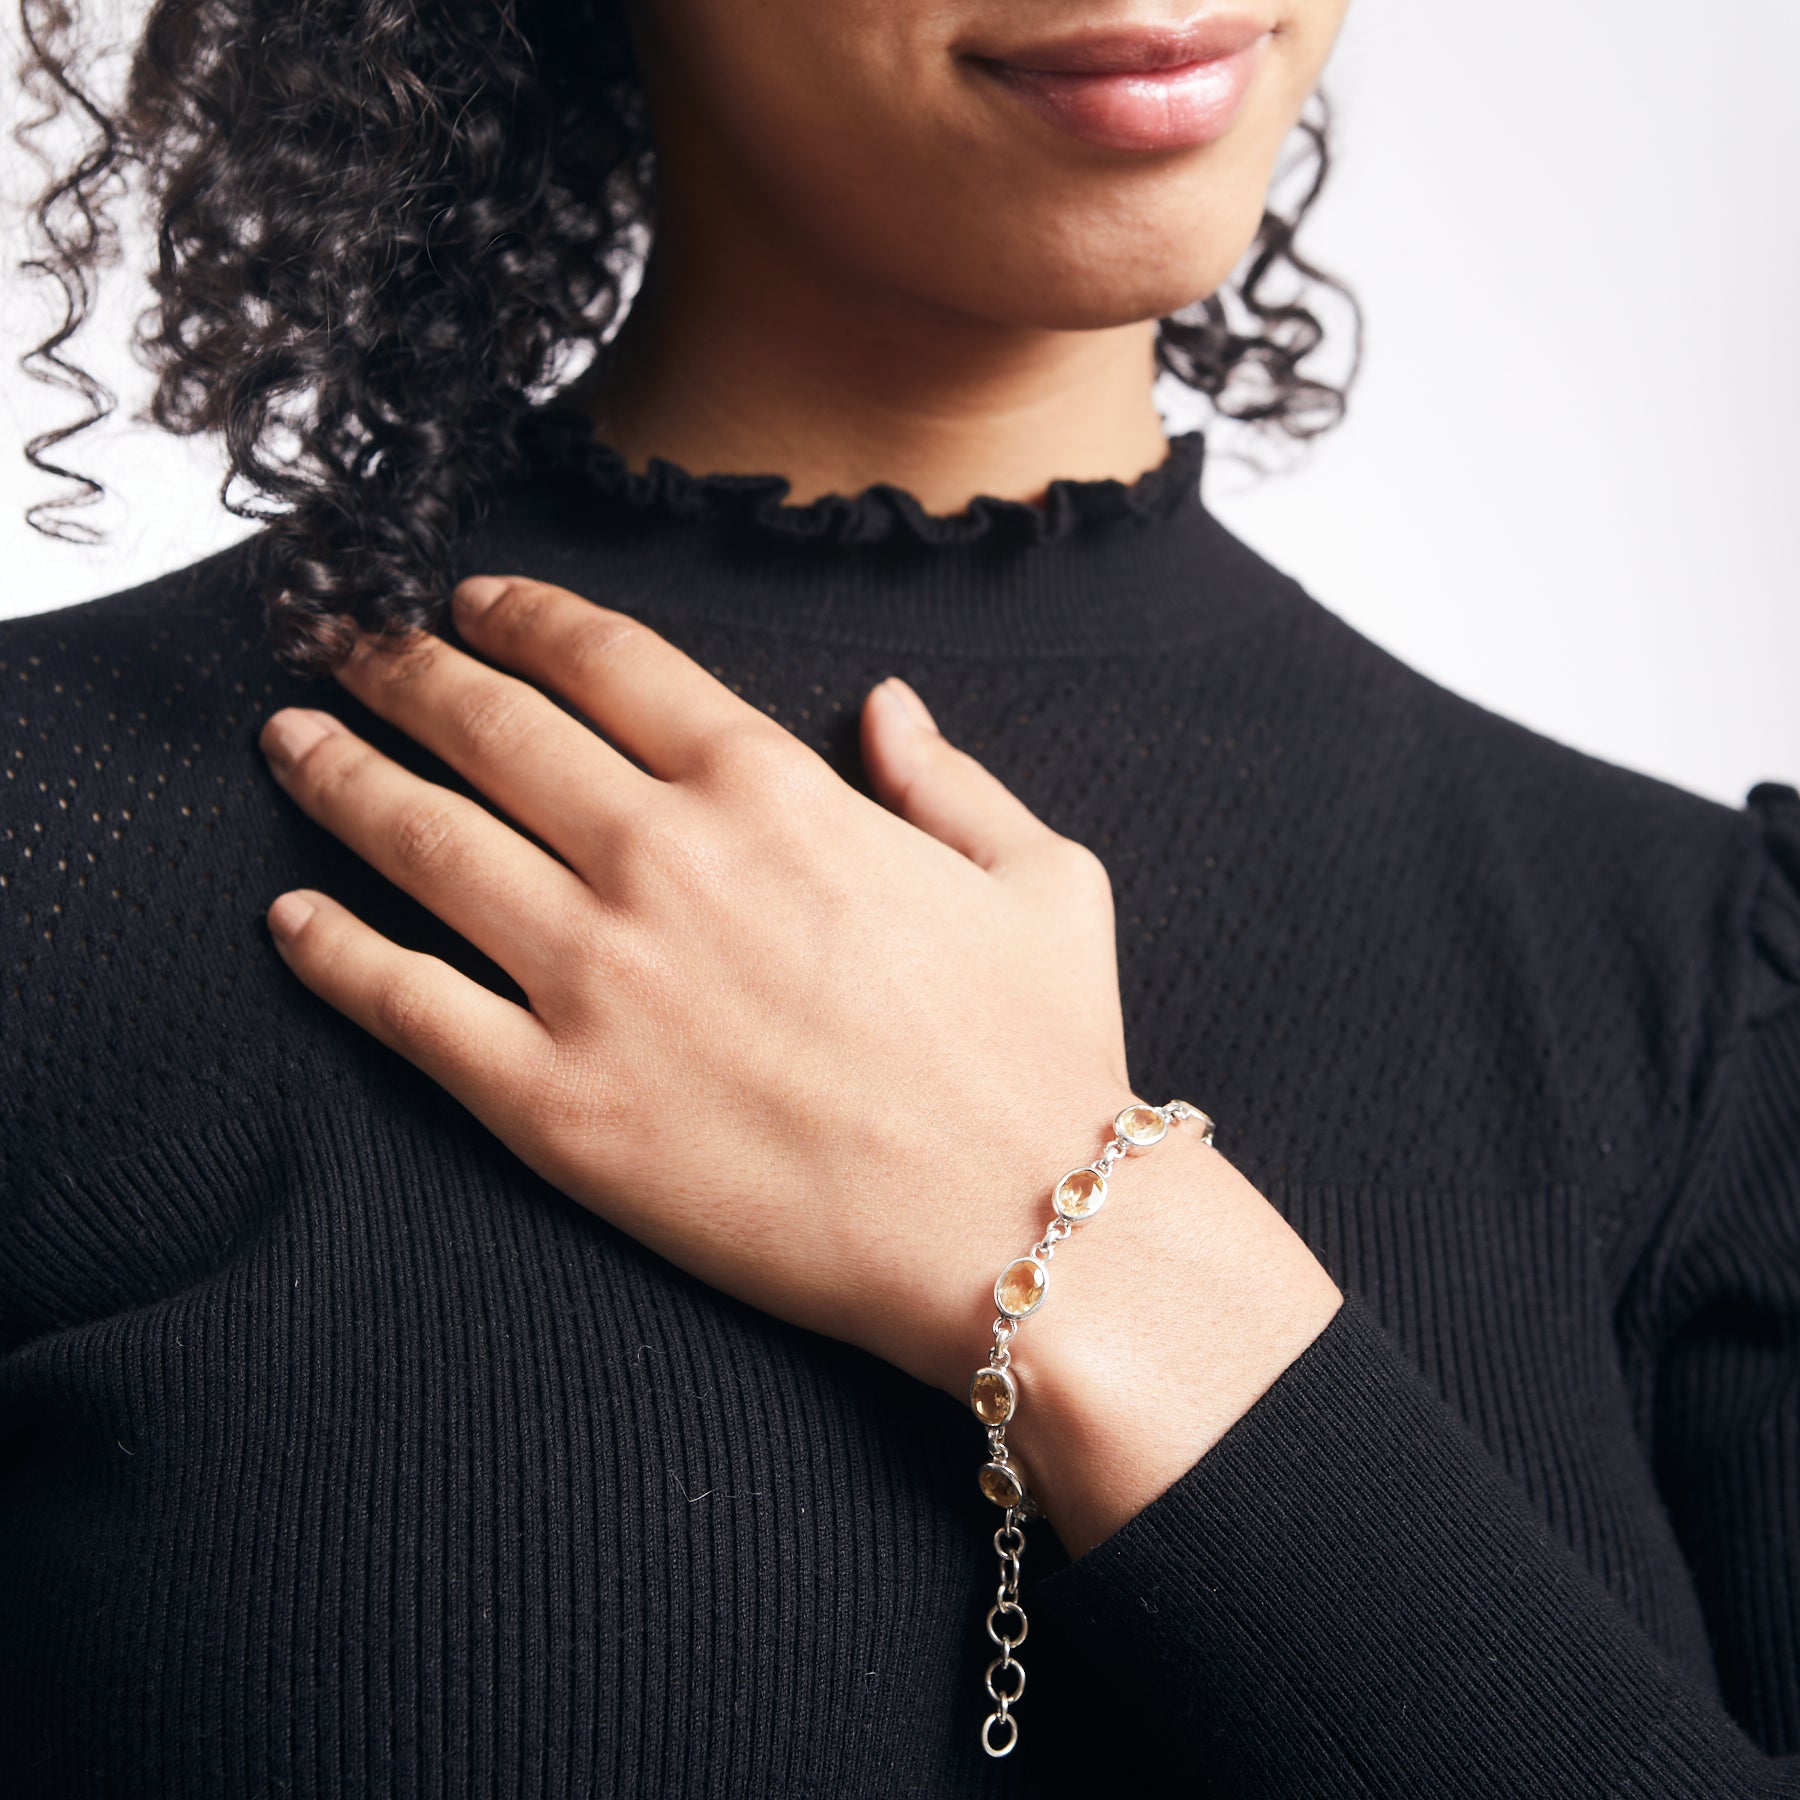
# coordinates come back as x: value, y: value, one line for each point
x: 1131, y: 49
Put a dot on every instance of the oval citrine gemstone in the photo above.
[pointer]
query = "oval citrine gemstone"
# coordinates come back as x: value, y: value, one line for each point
x: 1080, y: 1194
x: 1140, y: 1125
x: 1021, y: 1288
x: 1001, y: 1484
x: 991, y: 1394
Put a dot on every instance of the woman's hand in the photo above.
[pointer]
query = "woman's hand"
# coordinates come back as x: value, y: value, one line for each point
x: 824, y: 1055
x: 827, y: 1056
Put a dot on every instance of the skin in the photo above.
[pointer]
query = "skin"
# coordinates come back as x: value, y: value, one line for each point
x: 868, y: 1034
x: 871, y: 265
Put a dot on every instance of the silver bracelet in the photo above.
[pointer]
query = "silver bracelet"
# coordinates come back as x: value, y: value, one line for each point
x: 1020, y: 1290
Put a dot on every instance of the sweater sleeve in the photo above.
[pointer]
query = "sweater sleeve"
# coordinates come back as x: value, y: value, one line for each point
x: 1349, y: 1595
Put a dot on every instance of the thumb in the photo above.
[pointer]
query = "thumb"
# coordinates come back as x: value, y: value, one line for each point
x: 919, y: 774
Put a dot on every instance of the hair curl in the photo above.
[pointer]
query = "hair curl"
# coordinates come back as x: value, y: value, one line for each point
x: 384, y: 227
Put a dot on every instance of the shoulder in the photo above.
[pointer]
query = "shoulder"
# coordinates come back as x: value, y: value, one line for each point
x: 116, y: 700
x: 140, y: 832
x: 189, y: 626
x: 1497, y: 797
x: 1520, y: 891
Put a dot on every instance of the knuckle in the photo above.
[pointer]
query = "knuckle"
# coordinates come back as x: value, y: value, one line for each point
x: 700, y: 866
x: 326, y: 769
x: 601, y: 644
x: 406, y: 660
x: 1083, y: 866
x: 492, y: 718
x: 423, y: 839
x: 759, y: 756
x: 803, y: 778
x: 592, y: 944
x: 402, y: 1007
x: 623, y: 846
x: 521, y: 608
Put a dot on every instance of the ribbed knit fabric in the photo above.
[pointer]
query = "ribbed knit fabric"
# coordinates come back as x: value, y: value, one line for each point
x: 339, y: 1454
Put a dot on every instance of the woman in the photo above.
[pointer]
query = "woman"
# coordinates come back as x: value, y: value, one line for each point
x: 518, y: 1333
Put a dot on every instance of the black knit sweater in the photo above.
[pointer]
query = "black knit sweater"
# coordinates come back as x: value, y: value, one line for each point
x: 339, y: 1454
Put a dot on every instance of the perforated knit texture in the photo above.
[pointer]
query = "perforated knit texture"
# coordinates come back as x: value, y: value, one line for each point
x: 344, y: 1456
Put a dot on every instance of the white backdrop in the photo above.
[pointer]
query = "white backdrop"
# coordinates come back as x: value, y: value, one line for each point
x: 1566, y: 484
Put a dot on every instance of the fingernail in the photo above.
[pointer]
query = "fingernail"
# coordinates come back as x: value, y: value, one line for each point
x: 288, y: 913
x: 915, y: 707
x: 474, y: 596
x: 290, y: 733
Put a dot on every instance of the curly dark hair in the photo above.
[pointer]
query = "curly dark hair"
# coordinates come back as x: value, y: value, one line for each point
x: 384, y: 228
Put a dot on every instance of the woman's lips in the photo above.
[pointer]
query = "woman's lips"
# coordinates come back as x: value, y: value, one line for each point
x: 1141, y: 91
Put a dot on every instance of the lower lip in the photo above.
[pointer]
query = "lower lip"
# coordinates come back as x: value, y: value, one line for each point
x: 1157, y: 109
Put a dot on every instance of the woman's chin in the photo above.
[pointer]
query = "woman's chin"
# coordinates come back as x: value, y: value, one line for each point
x: 1096, y: 287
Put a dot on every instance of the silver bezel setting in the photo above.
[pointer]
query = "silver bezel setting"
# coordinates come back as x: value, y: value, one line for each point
x: 1185, y: 1109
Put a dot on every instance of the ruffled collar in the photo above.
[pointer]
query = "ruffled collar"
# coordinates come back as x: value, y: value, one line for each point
x: 558, y: 437
x: 1095, y: 568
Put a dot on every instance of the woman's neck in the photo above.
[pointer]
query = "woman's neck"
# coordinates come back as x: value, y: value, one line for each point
x: 760, y: 365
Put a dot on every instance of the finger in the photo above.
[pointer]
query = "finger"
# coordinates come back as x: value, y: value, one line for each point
x: 923, y: 777
x: 479, y: 1047
x: 554, y: 774
x: 651, y: 699
x: 513, y: 901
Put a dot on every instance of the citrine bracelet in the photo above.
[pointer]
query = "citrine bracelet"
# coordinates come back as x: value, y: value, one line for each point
x: 1020, y: 1290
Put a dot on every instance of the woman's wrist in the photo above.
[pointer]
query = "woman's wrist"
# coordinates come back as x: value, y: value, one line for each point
x: 1172, y: 1313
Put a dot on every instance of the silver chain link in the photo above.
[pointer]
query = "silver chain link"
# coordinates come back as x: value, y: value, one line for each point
x: 1006, y: 1622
